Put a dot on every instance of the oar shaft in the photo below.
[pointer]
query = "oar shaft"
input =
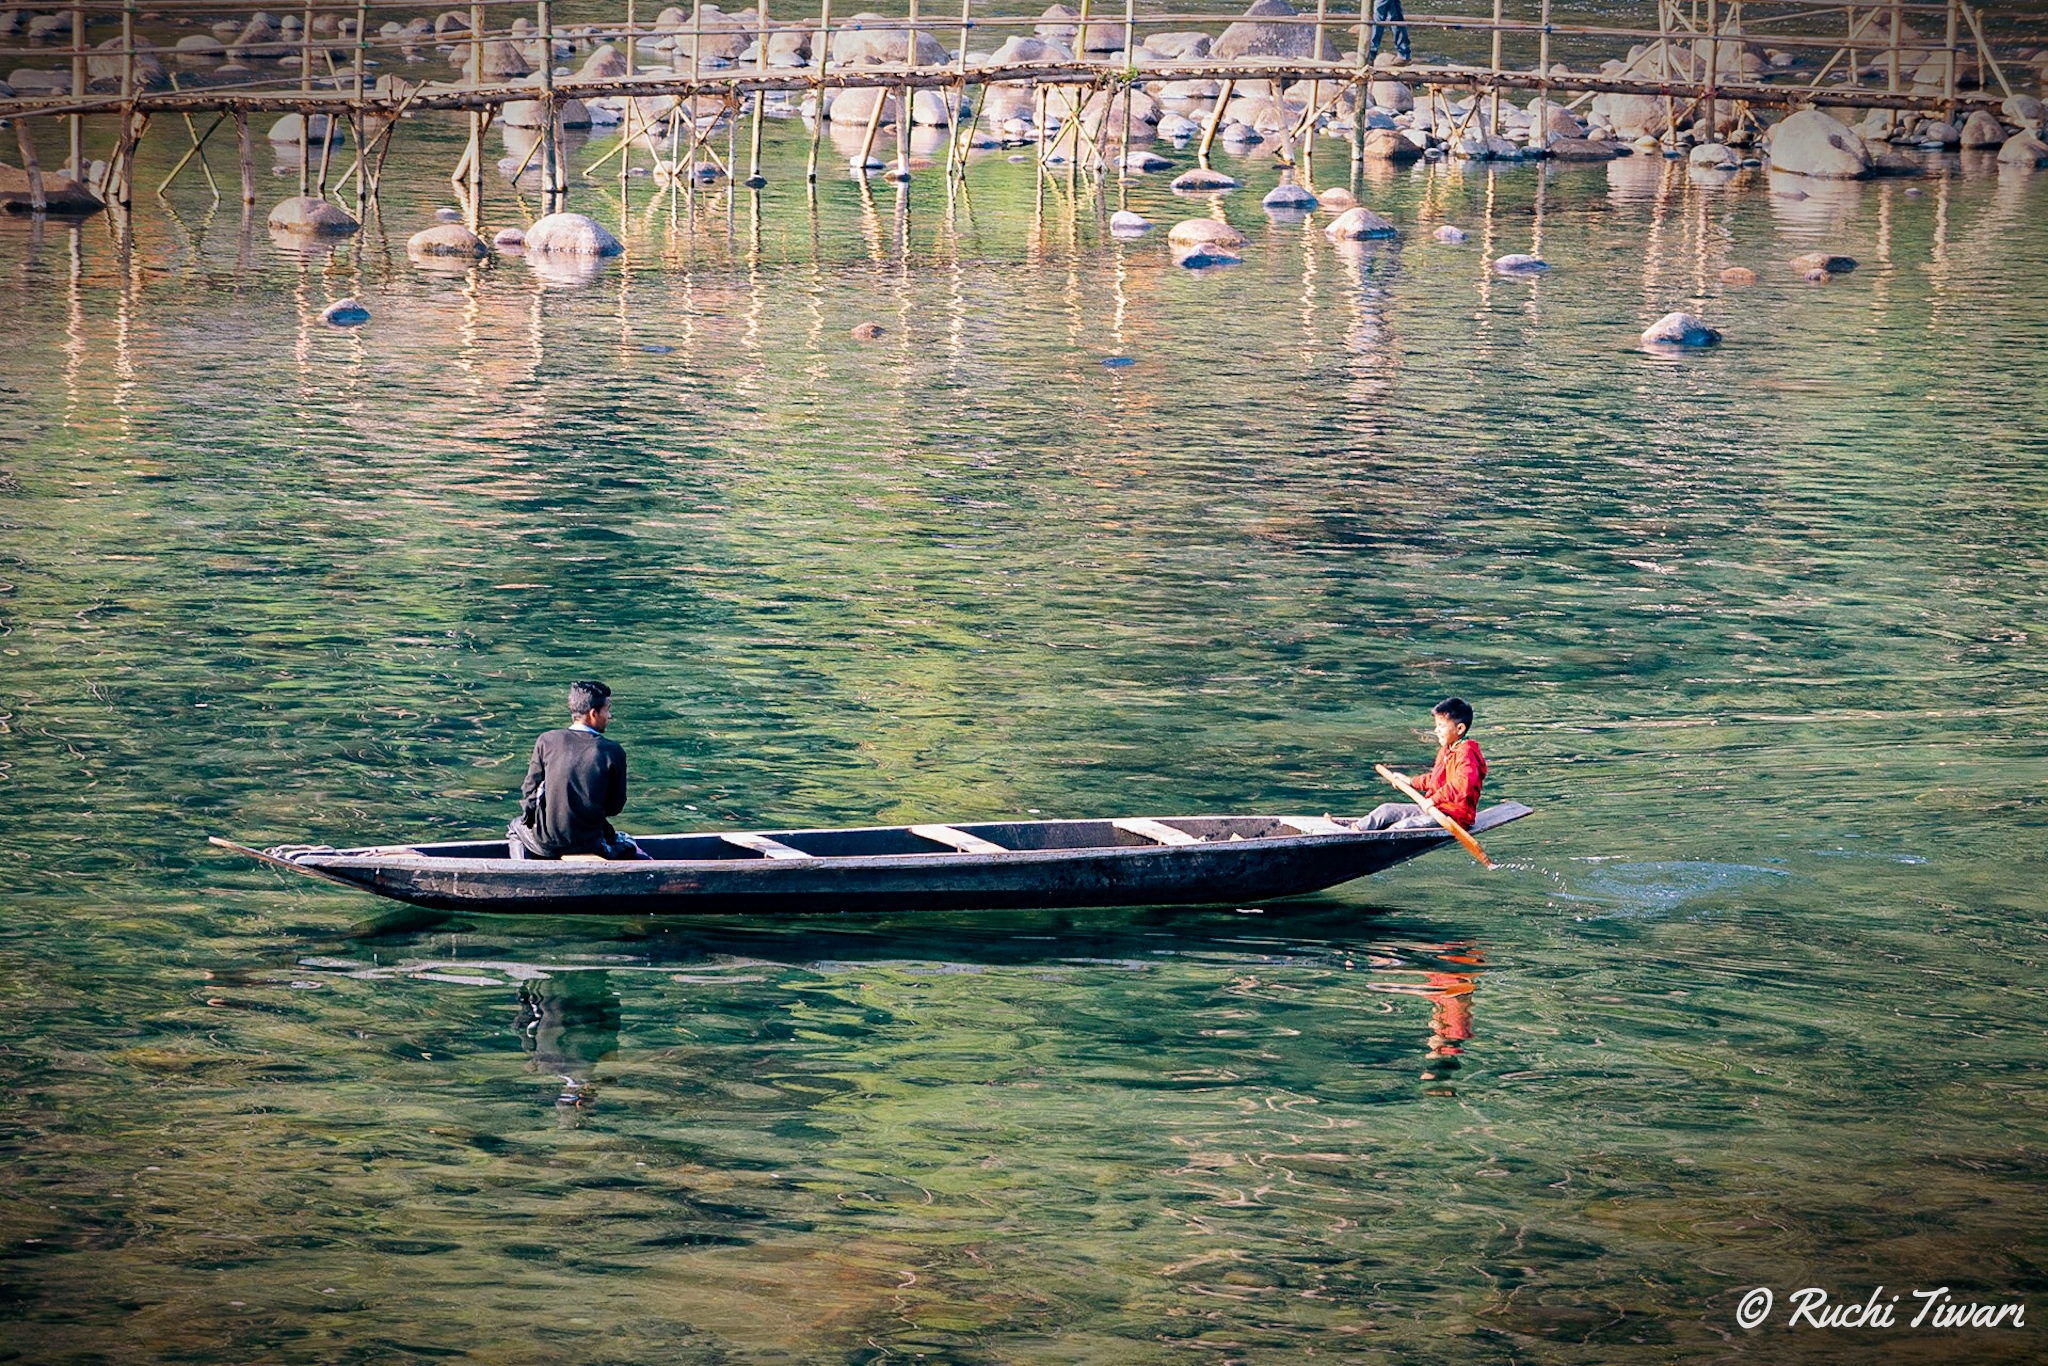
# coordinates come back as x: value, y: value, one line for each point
x: 1458, y: 832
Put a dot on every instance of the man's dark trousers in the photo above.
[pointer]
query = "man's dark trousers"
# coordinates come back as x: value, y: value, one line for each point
x: 1387, y: 14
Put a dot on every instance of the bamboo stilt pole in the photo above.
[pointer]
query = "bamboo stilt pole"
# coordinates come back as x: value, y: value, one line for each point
x: 362, y: 53
x: 1985, y: 56
x: 551, y: 186
x: 1707, y: 104
x: 1948, y: 78
x: 244, y: 158
x: 78, y: 83
x: 867, y: 142
x: 305, y: 118
x: 823, y: 40
x: 755, y: 180
x: 1214, y: 122
x: 38, y: 202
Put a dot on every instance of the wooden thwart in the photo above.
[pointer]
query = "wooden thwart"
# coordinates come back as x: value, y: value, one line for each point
x: 957, y: 839
x: 1314, y: 825
x: 761, y: 844
x: 1155, y: 831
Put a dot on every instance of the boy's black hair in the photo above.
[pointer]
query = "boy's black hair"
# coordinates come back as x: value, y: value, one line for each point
x: 1457, y: 708
x: 589, y: 695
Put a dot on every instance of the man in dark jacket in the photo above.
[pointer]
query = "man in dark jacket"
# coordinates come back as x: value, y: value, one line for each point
x: 575, y: 784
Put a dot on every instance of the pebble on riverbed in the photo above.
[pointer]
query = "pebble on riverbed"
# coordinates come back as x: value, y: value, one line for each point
x: 345, y: 313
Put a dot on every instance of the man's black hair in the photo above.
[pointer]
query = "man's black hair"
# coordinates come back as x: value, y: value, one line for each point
x: 1457, y: 708
x: 589, y: 695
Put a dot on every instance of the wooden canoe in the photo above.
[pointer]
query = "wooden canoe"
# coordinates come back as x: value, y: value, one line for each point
x: 1169, y: 861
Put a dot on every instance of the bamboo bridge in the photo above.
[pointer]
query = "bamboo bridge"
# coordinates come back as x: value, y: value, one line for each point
x: 354, y: 72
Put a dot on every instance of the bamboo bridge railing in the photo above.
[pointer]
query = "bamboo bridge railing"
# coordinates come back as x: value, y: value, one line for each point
x: 1869, y: 55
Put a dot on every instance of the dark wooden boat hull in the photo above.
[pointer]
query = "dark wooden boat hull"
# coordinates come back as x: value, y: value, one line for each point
x: 1043, y: 864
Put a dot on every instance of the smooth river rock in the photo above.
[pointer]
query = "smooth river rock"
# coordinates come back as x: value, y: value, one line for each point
x: 2023, y: 149
x: 1336, y: 198
x: 1447, y: 233
x: 1679, y: 329
x: 510, y: 239
x: 570, y: 234
x: 1124, y: 223
x: 1359, y: 224
x: 1820, y: 260
x: 1982, y: 129
x: 1738, y: 275
x: 312, y: 216
x: 1521, y: 264
x: 1811, y: 143
x: 1200, y: 179
x: 446, y: 239
x: 1288, y: 195
x: 1193, y: 232
x: 345, y: 313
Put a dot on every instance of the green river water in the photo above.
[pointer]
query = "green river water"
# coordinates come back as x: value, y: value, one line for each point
x: 1754, y: 1000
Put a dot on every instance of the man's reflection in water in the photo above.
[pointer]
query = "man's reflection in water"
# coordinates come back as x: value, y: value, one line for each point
x: 570, y: 1023
x: 1447, y: 984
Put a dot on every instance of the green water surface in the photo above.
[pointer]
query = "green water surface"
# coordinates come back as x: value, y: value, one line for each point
x: 1755, y: 998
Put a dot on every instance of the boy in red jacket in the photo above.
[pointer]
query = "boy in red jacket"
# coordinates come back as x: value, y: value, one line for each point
x: 1453, y: 784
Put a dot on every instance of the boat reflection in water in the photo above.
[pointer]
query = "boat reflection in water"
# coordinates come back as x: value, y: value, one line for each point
x: 570, y: 1024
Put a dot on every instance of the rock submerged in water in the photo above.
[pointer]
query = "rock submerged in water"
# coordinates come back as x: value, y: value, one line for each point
x: 570, y: 234
x: 345, y: 313
x: 1820, y: 260
x: 1811, y: 143
x: 2023, y: 149
x: 1983, y: 129
x: 446, y: 239
x: 867, y: 332
x: 1205, y: 254
x: 1359, y: 224
x: 1679, y: 330
x: 510, y: 239
x: 1201, y: 179
x: 1738, y: 275
x: 1447, y: 233
x: 1336, y: 198
x: 1205, y: 232
x: 1288, y: 195
x: 1124, y: 223
x: 313, y: 217
x: 1520, y: 264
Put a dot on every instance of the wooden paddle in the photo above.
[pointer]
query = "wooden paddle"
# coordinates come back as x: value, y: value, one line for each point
x: 1459, y: 832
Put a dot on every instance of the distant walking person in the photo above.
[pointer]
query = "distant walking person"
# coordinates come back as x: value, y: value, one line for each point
x: 1453, y: 783
x: 1387, y: 14
x: 575, y: 784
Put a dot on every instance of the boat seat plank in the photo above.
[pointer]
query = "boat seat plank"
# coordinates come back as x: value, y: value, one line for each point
x: 1314, y: 825
x: 761, y: 844
x: 1155, y: 831
x: 957, y: 839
